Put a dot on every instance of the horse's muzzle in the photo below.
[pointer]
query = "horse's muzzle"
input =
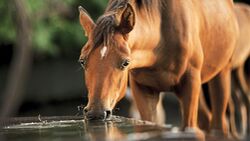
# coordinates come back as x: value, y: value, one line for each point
x: 97, y: 114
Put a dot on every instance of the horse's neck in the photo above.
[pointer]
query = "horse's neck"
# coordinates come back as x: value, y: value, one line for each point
x: 145, y: 38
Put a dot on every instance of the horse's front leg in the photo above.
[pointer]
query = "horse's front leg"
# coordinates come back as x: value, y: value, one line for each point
x: 204, y: 114
x: 188, y: 92
x: 147, y: 101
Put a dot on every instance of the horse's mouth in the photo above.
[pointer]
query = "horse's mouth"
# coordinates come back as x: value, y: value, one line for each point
x: 98, y: 116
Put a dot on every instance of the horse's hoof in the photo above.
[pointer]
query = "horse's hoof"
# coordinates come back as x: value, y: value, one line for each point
x: 196, y: 131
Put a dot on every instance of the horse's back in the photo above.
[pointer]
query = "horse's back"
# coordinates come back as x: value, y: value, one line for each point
x: 242, y: 50
x: 218, y: 35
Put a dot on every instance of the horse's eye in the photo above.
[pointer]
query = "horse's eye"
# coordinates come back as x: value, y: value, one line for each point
x: 124, y: 64
x: 83, y: 63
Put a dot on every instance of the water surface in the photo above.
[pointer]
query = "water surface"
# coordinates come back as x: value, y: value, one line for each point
x: 77, y: 129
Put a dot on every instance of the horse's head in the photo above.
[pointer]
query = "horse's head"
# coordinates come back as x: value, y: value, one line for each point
x: 106, y: 59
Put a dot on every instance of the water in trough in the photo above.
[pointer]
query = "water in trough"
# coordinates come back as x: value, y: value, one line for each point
x: 77, y: 129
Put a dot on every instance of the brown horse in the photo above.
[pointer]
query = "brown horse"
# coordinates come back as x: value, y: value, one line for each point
x: 240, y: 55
x: 161, y: 45
x: 242, y: 52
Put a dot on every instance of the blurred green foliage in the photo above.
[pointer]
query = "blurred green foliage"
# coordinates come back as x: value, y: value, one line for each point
x: 55, y: 25
x: 7, y: 31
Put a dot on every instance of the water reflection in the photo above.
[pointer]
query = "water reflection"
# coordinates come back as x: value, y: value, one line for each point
x: 103, y: 130
x: 118, y: 128
x: 75, y: 128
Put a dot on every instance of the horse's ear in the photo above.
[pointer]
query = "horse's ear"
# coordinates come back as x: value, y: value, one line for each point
x: 127, y: 20
x: 85, y: 20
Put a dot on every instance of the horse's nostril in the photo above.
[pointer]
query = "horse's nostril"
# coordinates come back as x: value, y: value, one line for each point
x: 108, y: 114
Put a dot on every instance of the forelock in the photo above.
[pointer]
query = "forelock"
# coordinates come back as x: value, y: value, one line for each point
x: 106, y: 24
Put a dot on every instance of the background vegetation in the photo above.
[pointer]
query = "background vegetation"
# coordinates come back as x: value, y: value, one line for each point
x: 54, y: 77
x: 54, y: 23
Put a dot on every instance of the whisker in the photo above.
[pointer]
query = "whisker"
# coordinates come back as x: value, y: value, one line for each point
x: 116, y: 110
x: 79, y: 69
x: 80, y: 110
